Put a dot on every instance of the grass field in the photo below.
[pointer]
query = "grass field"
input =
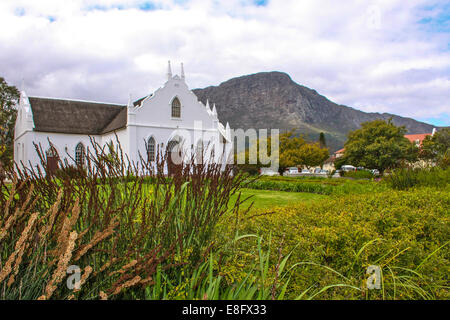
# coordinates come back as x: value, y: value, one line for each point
x: 268, y: 198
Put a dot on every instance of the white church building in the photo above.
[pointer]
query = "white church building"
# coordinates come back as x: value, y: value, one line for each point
x: 170, y: 118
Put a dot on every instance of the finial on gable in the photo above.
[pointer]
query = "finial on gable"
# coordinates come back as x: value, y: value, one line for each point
x: 23, y: 99
x: 130, y: 103
x: 228, y: 131
x: 169, y: 71
x: 182, y: 71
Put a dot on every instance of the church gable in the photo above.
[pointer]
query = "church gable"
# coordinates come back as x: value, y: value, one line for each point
x: 174, y: 105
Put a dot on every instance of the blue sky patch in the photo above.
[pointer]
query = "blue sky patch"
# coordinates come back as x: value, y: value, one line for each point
x: 438, y: 19
x: 105, y: 8
x: 441, y: 121
x: 261, y: 2
x: 147, y: 6
x: 19, y: 12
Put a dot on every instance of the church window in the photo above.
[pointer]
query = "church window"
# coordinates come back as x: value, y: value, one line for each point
x: 176, y: 108
x: 151, y: 149
x: 80, y: 154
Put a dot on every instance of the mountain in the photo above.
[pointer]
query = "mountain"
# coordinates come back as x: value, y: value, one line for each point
x: 273, y: 100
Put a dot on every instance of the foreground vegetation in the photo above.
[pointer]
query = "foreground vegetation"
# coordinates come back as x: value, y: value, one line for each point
x: 196, y: 235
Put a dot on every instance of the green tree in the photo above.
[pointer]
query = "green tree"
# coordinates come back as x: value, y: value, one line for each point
x: 296, y: 151
x: 9, y: 95
x: 437, y: 147
x: 312, y: 155
x: 290, y: 145
x: 322, y: 142
x: 378, y: 145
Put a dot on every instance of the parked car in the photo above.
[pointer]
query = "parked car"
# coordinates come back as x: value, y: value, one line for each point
x: 324, y: 172
x: 348, y: 167
x: 317, y: 170
x: 306, y: 171
x: 375, y: 172
x: 293, y: 170
x: 360, y: 168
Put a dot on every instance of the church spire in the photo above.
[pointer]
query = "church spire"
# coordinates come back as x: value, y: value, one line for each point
x: 214, y: 110
x: 169, y: 71
x: 182, y: 71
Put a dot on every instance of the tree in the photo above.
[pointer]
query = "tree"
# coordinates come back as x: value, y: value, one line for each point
x: 322, y: 142
x: 296, y: 151
x: 436, y: 147
x: 289, y: 150
x: 378, y: 145
x: 312, y: 155
x: 9, y: 95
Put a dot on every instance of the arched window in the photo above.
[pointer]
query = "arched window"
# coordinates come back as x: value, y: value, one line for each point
x: 79, y: 154
x: 176, y: 108
x: 151, y: 149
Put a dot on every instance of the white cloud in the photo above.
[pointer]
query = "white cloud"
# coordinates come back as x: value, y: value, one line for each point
x: 373, y: 55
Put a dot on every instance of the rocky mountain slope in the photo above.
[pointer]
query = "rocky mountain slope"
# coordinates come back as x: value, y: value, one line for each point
x: 273, y: 100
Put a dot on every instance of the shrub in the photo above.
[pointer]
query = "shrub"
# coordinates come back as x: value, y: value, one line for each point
x: 360, y: 174
x: 405, y: 178
x: 290, y: 186
x: 333, y: 242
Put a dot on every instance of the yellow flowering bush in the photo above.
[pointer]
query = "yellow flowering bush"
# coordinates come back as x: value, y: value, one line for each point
x: 406, y: 233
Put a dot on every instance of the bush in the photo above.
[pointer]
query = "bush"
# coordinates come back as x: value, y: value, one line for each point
x: 290, y: 186
x: 333, y: 242
x: 360, y: 174
x: 405, y: 178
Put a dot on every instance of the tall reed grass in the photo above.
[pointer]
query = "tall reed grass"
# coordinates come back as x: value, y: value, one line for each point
x: 120, y: 222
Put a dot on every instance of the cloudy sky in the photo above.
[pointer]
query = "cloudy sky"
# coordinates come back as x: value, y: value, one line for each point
x: 381, y: 55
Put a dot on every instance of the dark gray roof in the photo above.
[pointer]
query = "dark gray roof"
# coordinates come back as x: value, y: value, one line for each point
x: 138, y: 102
x: 78, y: 117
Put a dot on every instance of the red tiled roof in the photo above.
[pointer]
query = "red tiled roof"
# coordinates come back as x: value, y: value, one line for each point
x: 414, y: 137
x: 340, y: 151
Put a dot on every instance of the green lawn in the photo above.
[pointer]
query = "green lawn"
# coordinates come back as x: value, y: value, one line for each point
x: 269, y: 198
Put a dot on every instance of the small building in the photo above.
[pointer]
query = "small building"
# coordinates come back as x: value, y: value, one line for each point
x: 417, y: 139
x: 339, y: 153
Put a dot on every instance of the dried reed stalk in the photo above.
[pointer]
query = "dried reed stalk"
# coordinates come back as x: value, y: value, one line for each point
x: 125, y: 268
x: 127, y: 284
x: 84, y: 277
x: 63, y: 262
x: 98, y: 237
x: 19, y: 250
x: 103, y: 296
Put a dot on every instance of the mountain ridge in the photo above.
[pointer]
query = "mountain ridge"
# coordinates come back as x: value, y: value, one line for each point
x: 273, y: 100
